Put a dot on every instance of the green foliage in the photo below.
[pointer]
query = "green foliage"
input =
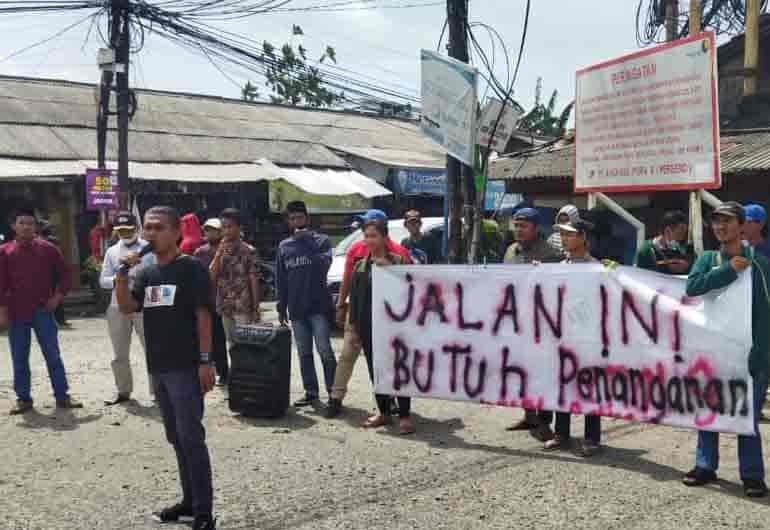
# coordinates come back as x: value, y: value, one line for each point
x: 291, y: 79
x: 541, y: 119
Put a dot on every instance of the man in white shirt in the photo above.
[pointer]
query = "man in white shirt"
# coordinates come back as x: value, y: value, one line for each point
x: 119, y: 325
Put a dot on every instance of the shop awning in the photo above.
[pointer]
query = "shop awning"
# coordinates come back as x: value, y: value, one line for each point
x: 339, y: 182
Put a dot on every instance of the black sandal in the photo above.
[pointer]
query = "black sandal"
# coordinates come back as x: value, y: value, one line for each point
x: 699, y: 477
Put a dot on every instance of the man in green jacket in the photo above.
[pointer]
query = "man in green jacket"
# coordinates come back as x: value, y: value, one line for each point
x: 668, y: 253
x: 715, y: 270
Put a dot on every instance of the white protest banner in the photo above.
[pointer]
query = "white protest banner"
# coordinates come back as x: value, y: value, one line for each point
x: 626, y: 343
x: 507, y: 122
x: 650, y: 120
x: 449, y: 104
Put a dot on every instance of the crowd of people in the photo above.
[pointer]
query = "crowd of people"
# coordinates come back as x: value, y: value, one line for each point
x: 184, y: 298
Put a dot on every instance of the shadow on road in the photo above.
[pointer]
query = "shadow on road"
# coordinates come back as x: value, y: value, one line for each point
x: 59, y: 420
x: 151, y: 412
x: 289, y: 422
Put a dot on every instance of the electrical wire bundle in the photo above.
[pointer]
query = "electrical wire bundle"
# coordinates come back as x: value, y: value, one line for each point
x: 189, y: 23
x: 724, y: 17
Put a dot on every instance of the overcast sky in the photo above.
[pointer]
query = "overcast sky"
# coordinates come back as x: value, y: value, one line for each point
x: 382, y: 44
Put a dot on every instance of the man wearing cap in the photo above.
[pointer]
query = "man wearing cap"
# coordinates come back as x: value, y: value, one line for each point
x: 121, y: 326
x: 301, y: 266
x: 668, y: 253
x: 212, y: 233
x: 754, y: 229
x: 529, y: 247
x: 574, y: 240
x: 714, y: 271
x: 351, y: 345
x: 425, y: 248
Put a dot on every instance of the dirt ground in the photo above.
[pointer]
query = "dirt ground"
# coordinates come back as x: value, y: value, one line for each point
x: 108, y: 468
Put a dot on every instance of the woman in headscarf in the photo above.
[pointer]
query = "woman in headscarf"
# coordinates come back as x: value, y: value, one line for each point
x: 375, y: 235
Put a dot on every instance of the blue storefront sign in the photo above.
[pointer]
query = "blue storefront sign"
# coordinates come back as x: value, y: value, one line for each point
x: 433, y: 182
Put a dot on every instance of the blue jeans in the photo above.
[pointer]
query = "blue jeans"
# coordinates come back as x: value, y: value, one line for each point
x: 749, y: 447
x: 305, y: 330
x: 20, y: 339
x: 181, y: 404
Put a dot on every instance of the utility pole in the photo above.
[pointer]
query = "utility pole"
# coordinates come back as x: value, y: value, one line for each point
x: 751, y: 54
x: 122, y: 53
x: 457, y: 24
x: 696, y: 204
x: 672, y: 20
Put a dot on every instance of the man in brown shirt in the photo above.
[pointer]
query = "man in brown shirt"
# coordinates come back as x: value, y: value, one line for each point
x: 235, y: 274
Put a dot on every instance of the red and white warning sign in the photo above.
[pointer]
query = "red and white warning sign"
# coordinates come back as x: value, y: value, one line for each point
x: 650, y: 120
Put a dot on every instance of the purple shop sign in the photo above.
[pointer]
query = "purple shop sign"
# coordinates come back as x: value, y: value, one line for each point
x: 102, y: 189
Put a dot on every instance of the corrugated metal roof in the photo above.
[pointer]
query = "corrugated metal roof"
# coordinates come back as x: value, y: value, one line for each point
x: 435, y: 159
x: 56, y: 119
x: 741, y: 152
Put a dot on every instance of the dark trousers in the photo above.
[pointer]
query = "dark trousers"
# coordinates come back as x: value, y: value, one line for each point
x: 181, y: 403
x: 383, y: 400
x: 219, y: 346
x: 593, y: 426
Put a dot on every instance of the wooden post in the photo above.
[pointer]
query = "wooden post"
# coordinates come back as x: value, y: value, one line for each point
x: 672, y: 20
x: 695, y: 17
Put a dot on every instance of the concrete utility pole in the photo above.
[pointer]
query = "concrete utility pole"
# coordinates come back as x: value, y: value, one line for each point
x: 751, y: 57
x: 120, y: 7
x: 457, y: 23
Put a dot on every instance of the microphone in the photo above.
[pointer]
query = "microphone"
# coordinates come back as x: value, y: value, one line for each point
x: 125, y: 267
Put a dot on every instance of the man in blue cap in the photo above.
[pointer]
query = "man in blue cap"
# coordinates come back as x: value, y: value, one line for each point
x: 755, y: 229
x: 529, y: 247
x: 351, y: 342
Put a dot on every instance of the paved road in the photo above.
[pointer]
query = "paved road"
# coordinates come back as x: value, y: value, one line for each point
x: 105, y: 468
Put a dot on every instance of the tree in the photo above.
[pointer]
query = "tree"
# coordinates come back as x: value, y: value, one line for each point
x: 541, y: 120
x: 249, y: 92
x: 291, y: 79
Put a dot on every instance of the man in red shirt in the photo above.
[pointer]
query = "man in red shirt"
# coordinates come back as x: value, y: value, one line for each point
x: 33, y: 282
x: 351, y: 347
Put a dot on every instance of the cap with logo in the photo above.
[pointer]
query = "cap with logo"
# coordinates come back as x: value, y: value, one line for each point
x: 372, y: 215
x: 730, y: 209
x: 579, y: 225
x: 527, y: 214
x: 213, y: 223
x: 124, y: 221
x: 755, y: 213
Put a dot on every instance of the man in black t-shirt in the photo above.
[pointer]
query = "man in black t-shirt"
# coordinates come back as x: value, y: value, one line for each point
x: 174, y: 298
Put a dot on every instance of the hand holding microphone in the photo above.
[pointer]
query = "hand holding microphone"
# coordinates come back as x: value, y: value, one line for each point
x: 133, y: 259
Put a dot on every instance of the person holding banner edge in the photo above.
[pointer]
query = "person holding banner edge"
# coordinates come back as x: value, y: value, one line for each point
x: 529, y: 247
x: 574, y: 240
x: 713, y: 271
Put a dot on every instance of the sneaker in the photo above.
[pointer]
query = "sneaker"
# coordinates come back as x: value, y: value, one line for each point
x: 333, y: 408
x: 542, y: 432
x: 174, y: 513
x: 754, y: 488
x: 21, y: 407
x: 68, y: 403
x: 699, y: 477
x: 204, y: 522
x: 588, y: 448
x: 120, y: 398
x: 305, y: 401
x: 557, y: 443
